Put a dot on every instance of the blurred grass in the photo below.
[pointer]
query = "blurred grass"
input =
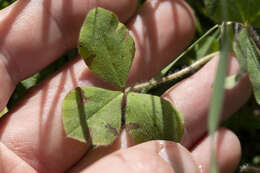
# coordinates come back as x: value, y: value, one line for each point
x: 245, y: 122
x: 5, y: 3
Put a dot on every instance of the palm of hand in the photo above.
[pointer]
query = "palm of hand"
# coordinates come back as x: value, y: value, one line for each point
x: 32, y: 135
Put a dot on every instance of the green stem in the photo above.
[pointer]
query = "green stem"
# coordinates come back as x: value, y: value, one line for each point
x: 173, y: 76
x: 166, y: 69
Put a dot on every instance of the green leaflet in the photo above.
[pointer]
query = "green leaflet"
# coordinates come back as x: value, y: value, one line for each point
x: 94, y: 111
x: 240, y: 51
x: 254, y: 68
x: 249, y: 57
x: 106, y: 46
x: 3, y: 112
x: 151, y: 117
x: 243, y: 11
x: 231, y: 81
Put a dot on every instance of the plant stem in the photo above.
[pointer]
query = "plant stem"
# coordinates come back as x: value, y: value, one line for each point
x: 247, y: 168
x: 173, y: 76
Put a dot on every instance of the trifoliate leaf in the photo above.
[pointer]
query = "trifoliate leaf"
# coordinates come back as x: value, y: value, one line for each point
x: 249, y: 57
x: 106, y: 46
x: 243, y: 11
x: 92, y: 111
x: 151, y: 117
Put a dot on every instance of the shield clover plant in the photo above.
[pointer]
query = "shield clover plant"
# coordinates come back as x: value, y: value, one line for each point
x: 97, y: 115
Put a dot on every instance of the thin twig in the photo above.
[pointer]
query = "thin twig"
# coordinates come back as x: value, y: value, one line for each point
x: 173, y: 76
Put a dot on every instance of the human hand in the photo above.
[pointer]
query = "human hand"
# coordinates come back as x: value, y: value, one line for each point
x: 34, y: 33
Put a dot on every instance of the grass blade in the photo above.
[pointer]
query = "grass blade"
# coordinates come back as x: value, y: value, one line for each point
x: 218, y: 92
x: 166, y: 69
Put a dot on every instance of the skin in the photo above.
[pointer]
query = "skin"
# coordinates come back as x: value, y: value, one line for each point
x: 32, y: 139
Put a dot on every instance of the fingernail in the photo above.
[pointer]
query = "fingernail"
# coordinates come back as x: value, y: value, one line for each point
x: 164, y: 155
x: 178, y: 157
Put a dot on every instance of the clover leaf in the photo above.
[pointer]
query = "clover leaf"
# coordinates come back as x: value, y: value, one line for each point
x: 96, y: 115
x: 248, y: 56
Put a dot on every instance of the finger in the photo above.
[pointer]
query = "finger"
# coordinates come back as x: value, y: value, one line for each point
x: 41, y: 109
x: 161, y: 30
x: 35, y: 33
x: 192, y: 98
x: 227, y: 158
x: 150, y: 157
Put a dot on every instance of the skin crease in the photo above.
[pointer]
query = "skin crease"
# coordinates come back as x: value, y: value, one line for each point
x: 32, y: 134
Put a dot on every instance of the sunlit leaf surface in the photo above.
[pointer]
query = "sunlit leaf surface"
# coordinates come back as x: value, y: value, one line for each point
x: 151, y: 117
x: 92, y: 111
x: 106, y: 46
x: 249, y: 57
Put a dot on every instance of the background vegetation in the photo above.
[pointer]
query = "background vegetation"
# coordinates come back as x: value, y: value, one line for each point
x: 245, y: 122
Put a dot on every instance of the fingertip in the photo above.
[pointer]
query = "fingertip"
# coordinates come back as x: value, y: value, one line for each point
x: 195, y: 92
x: 231, y: 145
x: 228, y: 151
